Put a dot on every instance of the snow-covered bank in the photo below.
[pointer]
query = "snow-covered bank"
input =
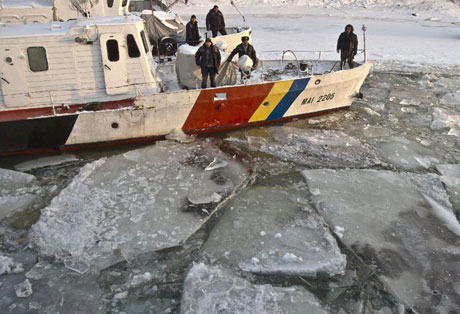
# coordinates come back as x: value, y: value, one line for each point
x: 393, y: 33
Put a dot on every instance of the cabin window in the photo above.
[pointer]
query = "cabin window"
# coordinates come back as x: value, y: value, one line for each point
x: 133, y: 50
x: 124, y: 3
x: 110, y: 3
x: 37, y: 59
x: 112, y: 50
x: 144, y: 41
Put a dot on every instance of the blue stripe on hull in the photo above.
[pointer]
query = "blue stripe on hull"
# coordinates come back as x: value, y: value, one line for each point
x: 297, y: 87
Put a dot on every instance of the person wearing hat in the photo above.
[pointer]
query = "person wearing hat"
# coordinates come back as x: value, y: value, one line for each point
x: 192, y: 35
x: 215, y: 22
x: 245, y: 48
x: 347, y: 46
x: 208, y: 59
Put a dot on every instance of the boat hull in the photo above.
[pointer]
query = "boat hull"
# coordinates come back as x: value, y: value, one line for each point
x: 192, y: 112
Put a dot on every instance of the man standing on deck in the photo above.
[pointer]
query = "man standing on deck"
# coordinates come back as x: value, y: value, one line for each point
x: 192, y: 35
x: 215, y: 22
x: 208, y: 58
x: 245, y: 48
x: 347, y: 46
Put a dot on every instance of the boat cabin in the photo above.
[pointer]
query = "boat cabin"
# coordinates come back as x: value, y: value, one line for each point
x: 62, y: 63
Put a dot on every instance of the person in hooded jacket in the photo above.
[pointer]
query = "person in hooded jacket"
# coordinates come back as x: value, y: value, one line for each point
x: 192, y: 35
x: 347, y: 46
x: 208, y: 59
x: 215, y: 22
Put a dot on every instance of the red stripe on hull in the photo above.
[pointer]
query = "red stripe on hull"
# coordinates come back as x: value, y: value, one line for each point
x: 155, y: 138
x: 265, y: 122
x: 23, y: 114
x: 239, y: 106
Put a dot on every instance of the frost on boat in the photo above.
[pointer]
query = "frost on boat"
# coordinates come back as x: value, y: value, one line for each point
x: 144, y: 200
x: 401, y: 223
x: 211, y: 289
x: 264, y: 230
x: 18, y: 191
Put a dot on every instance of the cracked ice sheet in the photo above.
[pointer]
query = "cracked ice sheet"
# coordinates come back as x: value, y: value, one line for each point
x: 54, y: 289
x: 126, y: 205
x: 389, y: 223
x: 212, y: 289
x: 313, y: 147
x: 264, y: 230
x: 18, y: 191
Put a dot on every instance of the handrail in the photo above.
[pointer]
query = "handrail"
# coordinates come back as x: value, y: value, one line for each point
x: 297, y: 61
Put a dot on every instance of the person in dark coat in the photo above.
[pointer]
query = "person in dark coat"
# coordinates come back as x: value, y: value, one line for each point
x: 347, y: 46
x: 215, y: 22
x: 208, y: 59
x: 192, y: 35
x: 245, y: 48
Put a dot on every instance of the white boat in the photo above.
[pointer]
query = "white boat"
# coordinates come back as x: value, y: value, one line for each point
x: 92, y: 82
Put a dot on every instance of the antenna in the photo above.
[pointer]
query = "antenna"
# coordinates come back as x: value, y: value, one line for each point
x: 364, y: 29
x: 244, y: 18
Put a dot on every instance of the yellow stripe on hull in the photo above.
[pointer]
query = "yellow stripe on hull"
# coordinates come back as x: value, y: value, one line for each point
x: 278, y: 91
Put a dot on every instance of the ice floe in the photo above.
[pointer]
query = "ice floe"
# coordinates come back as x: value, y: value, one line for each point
x: 401, y: 223
x: 314, y: 147
x: 18, y: 191
x: 141, y: 201
x: 45, y: 162
x: 264, y: 230
x: 213, y: 289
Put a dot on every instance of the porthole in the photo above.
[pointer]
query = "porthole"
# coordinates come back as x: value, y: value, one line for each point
x: 8, y: 60
x: 266, y: 104
x: 317, y: 82
x: 115, y: 125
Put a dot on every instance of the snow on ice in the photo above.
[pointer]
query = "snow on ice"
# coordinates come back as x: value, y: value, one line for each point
x: 144, y: 200
x: 403, y: 223
x: 213, y: 289
x: 264, y: 230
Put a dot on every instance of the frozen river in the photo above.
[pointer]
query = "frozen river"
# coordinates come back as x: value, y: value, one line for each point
x: 352, y: 212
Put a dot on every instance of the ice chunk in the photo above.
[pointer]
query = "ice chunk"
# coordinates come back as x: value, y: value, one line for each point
x: 141, y: 201
x: 23, y: 289
x: 216, y: 164
x: 45, y: 162
x: 209, y: 289
x: 55, y: 290
x: 314, y: 147
x: 121, y: 295
x: 406, y: 154
x: 443, y: 119
x: 283, y: 239
x: 445, y: 215
x: 390, y: 224
x: 18, y: 191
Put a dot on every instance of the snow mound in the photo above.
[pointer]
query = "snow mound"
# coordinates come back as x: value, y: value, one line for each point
x: 265, y: 231
x: 144, y: 200
x: 209, y: 289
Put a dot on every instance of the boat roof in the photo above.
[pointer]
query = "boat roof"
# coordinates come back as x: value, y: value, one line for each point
x: 63, y: 28
x: 25, y: 3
